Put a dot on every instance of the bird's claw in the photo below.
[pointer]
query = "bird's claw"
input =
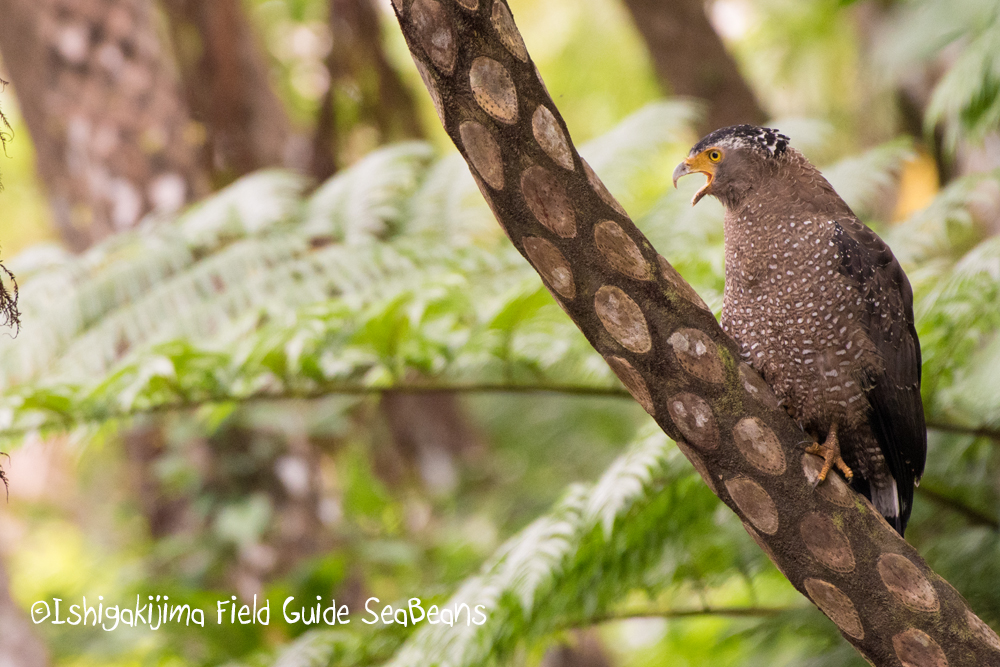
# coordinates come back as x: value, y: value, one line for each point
x: 830, y: 451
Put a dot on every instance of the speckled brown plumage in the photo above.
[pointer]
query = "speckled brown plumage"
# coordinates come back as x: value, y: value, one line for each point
x: 821, y: 308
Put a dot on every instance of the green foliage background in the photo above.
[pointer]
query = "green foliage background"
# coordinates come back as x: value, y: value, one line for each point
x: 272, y: 314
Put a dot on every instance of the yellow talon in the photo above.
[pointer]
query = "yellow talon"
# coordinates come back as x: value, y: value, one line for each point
x: 830, y: 451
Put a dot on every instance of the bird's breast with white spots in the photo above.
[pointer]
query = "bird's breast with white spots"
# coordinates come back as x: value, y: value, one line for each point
x: 795, y: 317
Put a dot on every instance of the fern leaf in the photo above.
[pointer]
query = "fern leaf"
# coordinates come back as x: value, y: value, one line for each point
x: 632, y: 142
x: 547, y: 574
x: 248, y: 207
x: 622, y: 156
x: 967, y: 99
x: 861, y: 180
x: 368, y: 201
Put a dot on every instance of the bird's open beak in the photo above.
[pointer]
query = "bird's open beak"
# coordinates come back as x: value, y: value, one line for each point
x: 699, y: 164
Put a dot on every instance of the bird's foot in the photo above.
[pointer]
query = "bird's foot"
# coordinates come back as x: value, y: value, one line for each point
x: 830, y: 451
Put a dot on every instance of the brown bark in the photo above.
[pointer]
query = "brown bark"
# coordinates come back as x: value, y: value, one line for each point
x: 112, y: 134
x: 357, y: 63
x: 326, y: 137
x: 225, y: 80
x: 690, y: 59
x: 431, y: 434
x: 586, y: 650
x: 668, y: 350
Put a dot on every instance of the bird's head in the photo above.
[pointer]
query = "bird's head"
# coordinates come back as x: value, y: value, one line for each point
x: 734, y: 159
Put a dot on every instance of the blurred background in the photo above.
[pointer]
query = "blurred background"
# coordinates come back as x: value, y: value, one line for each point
x: 272, y: 342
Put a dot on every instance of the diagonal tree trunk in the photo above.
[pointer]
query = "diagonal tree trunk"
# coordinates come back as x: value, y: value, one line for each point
x: 668, y: 350
x: 690, y: 59
x: 112, y: 134
x: 225, y: 79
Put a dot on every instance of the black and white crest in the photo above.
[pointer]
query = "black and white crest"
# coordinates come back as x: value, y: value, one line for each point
x: 763, y: 139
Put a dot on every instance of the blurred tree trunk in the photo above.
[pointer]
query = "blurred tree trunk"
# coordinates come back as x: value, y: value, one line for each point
x: 430, y: 435
x: 19, y: 646
x: 225, y: 79
x: 360, y: 71
x: 585, y: 650
x: 111, y: 130
x: 690, y: 59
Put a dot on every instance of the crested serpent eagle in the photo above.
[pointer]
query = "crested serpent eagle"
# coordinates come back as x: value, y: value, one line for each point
x: 821, y: 309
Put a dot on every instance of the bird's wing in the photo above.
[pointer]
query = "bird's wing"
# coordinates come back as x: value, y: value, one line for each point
x: 897, y: 416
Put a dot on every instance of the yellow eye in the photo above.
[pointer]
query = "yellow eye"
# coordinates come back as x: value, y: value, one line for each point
x: 714, y: 155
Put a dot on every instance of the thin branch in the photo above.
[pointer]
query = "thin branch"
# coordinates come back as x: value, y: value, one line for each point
x: 654, y: 612
x: 977, y: 431
x: 105, y: 415
x: 369, y: 390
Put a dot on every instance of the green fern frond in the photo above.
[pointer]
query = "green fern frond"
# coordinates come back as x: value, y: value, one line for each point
x: 972, y: 398
x: 945, y: 229
x: 564, y: 567
x: 961, y: 320
x: 384, y: 314
x: 861, y: 180
x: 623, y: 156
x: 430, y: 293
x: 694, y: 237
x: 953, y: 268
x: 66, y: 300
x: 967, y: 98
x: 449, y: 205
x: 918, y: 31
x: 318, y: 649
x: 250, y: 206
x: 625, y: 481
x: 252, y: 245
x: 197, y: 304
x: 369, y: 200
x: 633, y: 141
x: 196, y: 275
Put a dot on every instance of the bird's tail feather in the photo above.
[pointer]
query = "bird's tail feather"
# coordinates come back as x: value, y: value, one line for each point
x: 885, y: 499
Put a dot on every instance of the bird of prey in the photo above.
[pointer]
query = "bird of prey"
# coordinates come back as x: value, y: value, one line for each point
x: 821, y: 309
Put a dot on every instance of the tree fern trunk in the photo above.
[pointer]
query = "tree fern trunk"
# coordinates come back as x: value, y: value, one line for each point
x: 225, y: 78
x: 668, y: 350
x: 112, y: 133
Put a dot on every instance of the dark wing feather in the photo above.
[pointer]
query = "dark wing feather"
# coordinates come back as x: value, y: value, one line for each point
x: 897, y: 413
